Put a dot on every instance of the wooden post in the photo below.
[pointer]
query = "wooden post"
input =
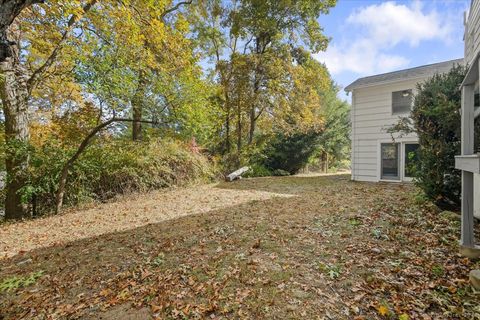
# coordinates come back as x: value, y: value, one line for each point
x: 467, y: 234
x: 467, y: 119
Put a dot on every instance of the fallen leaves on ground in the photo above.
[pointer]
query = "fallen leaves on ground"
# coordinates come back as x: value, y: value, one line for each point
x: 295, y: 247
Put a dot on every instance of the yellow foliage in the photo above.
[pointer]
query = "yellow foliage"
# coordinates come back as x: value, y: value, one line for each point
x: 383, y: 310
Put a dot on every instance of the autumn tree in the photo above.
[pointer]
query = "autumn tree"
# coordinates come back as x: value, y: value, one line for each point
x: 264, y: 33
x: 13, y: 92
x: 140, y: 60
x: 10, y: 9
x: 58, y: 37
x: 311, y: 121
x: 17, y: 82
x: 159, y: 47
x: 267, y: 23
x: 223, y: 73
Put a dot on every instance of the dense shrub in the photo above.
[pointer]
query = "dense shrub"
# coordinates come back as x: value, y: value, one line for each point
x: 291, y: 152
x: 257, y: 170
x: 280, y: 173
x: 435, y: 118
x: 111, y: 167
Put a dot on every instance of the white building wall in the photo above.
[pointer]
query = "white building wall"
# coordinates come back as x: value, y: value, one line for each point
x: 472, y: 32
x: 371, y: 115
x: 472, y: 48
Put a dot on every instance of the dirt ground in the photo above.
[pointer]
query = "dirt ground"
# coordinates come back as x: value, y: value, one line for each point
x: 302, y: 247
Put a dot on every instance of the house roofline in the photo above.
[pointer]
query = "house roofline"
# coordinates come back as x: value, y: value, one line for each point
x: 353, y: 85
x: 350, y: 88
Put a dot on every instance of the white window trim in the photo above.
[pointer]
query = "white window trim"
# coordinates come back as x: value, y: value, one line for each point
x: 403, y: 142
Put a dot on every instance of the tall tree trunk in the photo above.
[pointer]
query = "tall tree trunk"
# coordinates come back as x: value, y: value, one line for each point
x: 239, y: 129
x: 227, y: 108
x: 137, y: 108
x: 14, y: 94
x: 256, y: 89
x: 253, y: 120
x: 15, y: 91
x: 253, y: 115
x: 227, y: 131
x: 137, y: 125
x: 9, y: 10
x: 324, y: 162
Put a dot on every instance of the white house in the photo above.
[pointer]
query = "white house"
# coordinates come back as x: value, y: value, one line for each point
x: 469, y: 159
x: 379, y: 100
x: 377, y: 103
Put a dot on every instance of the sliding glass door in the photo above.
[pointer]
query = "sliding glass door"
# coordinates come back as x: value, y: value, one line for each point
x: 390, y: 161
x: 397, y: 160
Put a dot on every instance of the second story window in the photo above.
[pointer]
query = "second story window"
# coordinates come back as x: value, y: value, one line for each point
x: 402, y: 101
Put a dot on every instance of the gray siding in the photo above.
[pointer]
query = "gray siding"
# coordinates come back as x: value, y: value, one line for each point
x: 472, y: 32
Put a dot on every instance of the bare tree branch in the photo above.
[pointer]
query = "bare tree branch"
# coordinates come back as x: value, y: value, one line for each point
x: 83, y: 145
x: 175, y: 7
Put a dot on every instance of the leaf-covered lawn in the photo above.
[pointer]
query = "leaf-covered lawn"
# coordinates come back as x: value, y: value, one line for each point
x: 290, y: 247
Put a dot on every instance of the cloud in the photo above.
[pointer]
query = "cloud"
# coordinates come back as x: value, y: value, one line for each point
x: 371, y: 34
x: 362, y: 57
x: 390, y: 23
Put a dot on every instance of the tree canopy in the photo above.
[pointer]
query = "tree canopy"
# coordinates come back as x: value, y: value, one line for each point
x: 232, y: 79
x: 435, y: 118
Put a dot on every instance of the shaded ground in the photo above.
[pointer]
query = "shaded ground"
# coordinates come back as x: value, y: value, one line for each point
x: 290, y: 247
x: 129, y: 213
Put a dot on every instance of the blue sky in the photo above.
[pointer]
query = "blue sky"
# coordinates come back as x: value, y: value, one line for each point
x: 371, y: 37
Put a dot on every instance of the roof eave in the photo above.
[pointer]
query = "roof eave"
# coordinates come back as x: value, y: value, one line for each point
x: 352, y: 87
x: 472, y: 74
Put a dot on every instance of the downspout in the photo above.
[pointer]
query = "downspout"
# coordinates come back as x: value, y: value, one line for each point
x: 354, y: 147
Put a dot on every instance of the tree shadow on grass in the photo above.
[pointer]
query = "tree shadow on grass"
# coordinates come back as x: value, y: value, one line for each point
x: 296, y: 257
x: 202, y: 262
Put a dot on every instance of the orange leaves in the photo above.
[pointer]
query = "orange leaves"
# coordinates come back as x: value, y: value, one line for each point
x: 324, y: 220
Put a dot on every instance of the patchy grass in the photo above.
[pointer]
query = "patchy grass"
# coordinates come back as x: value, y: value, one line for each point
x: 13, y: 283
x: 283, y: 247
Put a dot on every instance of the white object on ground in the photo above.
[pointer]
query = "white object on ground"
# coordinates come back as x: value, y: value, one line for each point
x: 237, y: 174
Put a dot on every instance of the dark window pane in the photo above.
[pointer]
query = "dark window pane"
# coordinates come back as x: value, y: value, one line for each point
x: 411, y: 156
x: 389, y: 153
x: 402, y: 101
